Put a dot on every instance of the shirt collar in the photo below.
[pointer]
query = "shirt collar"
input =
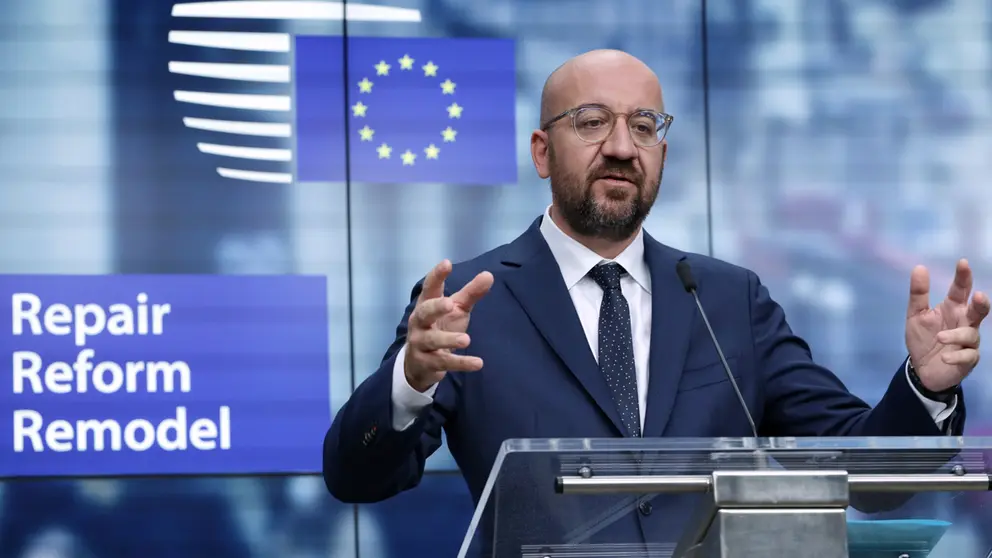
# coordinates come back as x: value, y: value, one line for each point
x: 575, y: 260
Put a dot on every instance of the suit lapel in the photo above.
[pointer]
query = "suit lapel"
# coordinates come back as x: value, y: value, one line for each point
x: 673, y: 315
x: 540, y: 289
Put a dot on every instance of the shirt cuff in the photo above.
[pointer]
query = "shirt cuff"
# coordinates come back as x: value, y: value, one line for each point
x: 939, y: 410
x: 407, y: 402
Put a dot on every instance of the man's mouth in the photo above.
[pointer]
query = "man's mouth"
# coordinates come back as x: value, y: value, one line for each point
x: 618, y: 179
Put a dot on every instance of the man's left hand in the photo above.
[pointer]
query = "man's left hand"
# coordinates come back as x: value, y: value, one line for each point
x: 943, y: 341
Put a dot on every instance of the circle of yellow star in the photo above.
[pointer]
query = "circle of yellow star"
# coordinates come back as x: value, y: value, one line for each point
x: 359, y: 109
x: 455, y: 110
x: 384, y: 151
x: 432, y: 151
x: 366, y: 133
x: 430, y: 69
x: 408, y: 157
x: 382, y: 69
x: 406, y: 63
x: 365, y: 86
x: 447, y: 87
x: 448, y: 134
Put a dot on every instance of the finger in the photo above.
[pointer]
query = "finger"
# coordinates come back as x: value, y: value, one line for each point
x: 450, y: 362
x: 429, y: 311
x: 434, y: 339
x: 978, y: 309
x: 960, y: 288
x: 434, y: 282
x: 963, y: 336
x: 473, y: 292
x: 963, y: 357
x: 919, y: 291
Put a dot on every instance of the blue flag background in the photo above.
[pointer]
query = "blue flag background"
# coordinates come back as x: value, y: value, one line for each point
x: 318, y: 68
x: 420, y: 110
x: 256, y: 346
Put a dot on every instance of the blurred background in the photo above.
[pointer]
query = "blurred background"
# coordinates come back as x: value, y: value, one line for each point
x: 829, y: 145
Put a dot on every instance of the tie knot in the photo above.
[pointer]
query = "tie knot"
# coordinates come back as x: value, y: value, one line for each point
x: 607, y: 276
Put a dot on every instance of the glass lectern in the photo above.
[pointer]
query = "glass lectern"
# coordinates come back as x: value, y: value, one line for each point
x: 736, y: 498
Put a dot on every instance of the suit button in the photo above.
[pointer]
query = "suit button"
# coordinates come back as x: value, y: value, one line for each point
x: 645, y: 507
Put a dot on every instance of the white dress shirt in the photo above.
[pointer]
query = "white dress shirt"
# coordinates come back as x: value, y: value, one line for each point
x: 575, y: 261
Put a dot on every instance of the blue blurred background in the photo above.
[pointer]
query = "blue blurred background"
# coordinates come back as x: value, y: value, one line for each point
x: 829, y: 145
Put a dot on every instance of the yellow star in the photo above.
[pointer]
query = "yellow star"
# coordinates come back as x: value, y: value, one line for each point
x: 448, y: 87
x: 408, y: 157
x: 382, y: 69
x: 430, y: 69
x: 360, y: 109
x: 406, y: 63
x: 384, y: 151
x: 432, y: 151
x: 366, y: 133
x: 448, y: 134
x: 365, y: 86
x: 455, y: 110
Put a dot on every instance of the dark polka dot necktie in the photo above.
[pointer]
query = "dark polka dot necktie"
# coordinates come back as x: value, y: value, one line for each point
x: 616, y: 346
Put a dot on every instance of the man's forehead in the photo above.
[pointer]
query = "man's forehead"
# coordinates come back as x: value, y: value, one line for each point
x: 616, y: 92
x: 616, y: 80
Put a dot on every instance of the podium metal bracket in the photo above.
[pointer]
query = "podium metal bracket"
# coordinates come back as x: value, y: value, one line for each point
x: 754, y: 514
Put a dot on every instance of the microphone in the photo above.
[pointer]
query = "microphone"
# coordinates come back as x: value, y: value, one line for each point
x: 689, y: 283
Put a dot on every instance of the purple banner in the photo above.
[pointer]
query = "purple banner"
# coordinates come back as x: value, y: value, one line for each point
x: 161, y: 375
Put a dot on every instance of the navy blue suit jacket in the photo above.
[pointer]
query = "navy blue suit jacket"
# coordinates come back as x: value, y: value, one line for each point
x: 541, y: 380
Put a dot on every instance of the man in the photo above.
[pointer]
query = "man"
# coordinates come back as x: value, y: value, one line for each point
x: 581, y: 328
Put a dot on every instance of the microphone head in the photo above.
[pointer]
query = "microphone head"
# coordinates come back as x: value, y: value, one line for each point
x: 684, y: 272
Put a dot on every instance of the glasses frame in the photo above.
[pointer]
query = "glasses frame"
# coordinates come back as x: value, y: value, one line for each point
x: 665, y: 117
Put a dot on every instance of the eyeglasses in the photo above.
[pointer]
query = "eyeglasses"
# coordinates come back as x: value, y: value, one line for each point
x: 593, y: 124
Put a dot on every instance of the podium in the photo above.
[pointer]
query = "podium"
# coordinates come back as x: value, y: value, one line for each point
x: 736, y: 498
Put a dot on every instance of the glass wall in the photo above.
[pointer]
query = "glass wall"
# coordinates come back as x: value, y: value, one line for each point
x: 829, y: 145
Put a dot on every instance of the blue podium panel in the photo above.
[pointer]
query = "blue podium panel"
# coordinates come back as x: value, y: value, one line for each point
x: 151, y: 375
x: 886, y: 538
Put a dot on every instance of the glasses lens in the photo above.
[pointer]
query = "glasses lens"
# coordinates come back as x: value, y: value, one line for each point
x: 647, y: 128
x: 593, y: 124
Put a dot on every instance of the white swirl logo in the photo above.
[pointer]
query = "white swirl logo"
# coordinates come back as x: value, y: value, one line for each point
x: 267, y: 114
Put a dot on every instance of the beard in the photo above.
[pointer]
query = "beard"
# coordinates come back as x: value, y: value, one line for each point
x: 617, y: 217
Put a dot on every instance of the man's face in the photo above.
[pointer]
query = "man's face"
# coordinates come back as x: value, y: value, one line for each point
x: 605, y: 190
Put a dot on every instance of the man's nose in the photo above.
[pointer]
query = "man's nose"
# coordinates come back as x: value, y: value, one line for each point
x: 619, y: 144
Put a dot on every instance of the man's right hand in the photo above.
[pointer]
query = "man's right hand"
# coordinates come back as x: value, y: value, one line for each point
x: 437, y: 327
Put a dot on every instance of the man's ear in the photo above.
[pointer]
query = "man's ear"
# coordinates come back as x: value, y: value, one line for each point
x: 664, y: 152
x: 539, y: 152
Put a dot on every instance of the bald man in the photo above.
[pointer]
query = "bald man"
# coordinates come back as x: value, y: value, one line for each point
x: 581, y: 328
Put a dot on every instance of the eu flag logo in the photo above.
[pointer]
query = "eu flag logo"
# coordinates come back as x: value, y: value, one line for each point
x: 419, y: 110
